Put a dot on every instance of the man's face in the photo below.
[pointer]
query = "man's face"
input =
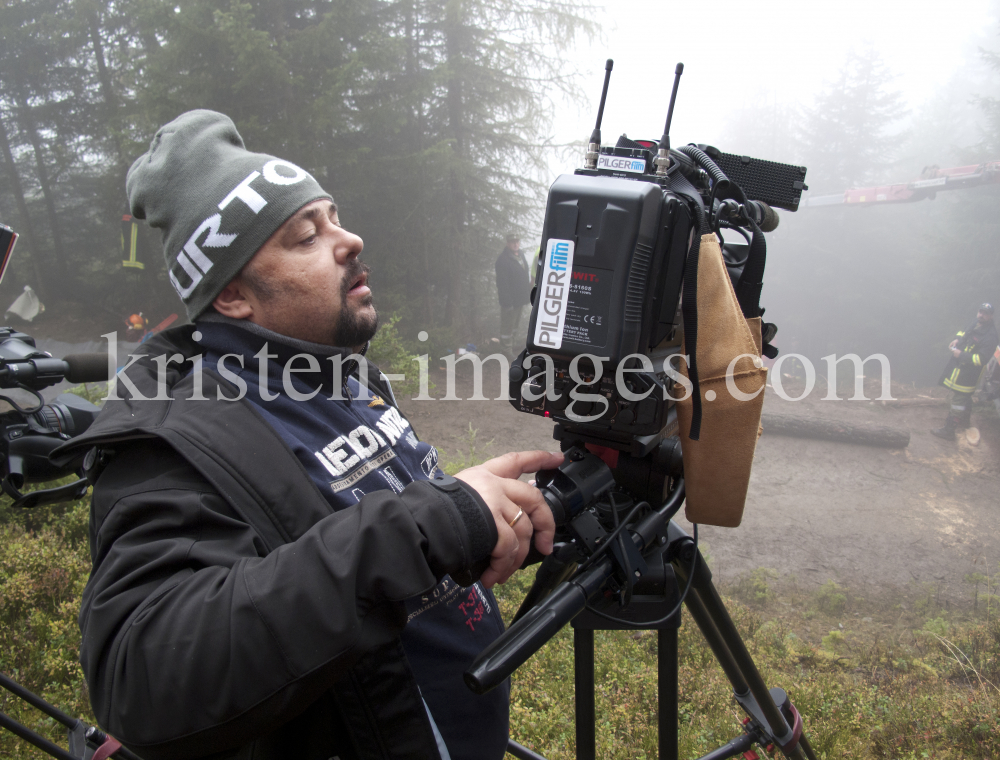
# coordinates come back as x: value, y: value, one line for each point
x: 514, y: 245
x: 307, y: 282
x: 984, y: 316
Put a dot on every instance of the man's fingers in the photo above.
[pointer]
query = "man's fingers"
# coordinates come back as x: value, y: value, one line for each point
x: 507, y: 555
x: 497, y: 484
x: 507, y: 544
x: 525, y: 530
x: 516, y: 463
x: 525, y: 496
x: 530, y: 499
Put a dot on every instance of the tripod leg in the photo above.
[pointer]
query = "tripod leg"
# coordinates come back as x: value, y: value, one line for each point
x: 666, y: 684
x: 720, y: 617
x: 716, y: 643
x: 711, y: 616
x: 583, y: 657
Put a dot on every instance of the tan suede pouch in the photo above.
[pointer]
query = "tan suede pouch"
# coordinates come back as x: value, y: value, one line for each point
x: 717, y: 465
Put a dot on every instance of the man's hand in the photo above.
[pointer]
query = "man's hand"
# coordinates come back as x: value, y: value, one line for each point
x: 953, y: 344
x: 956, y: 352
x: 496, y: 482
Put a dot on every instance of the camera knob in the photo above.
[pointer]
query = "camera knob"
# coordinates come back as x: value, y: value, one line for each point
x: 535, y: 385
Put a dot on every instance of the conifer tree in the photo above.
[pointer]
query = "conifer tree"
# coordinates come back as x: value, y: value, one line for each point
x: 851, y: 134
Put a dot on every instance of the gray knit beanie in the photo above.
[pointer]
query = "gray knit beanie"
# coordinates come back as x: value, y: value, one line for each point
x: 216, y: 202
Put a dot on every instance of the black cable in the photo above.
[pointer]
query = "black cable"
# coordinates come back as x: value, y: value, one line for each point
x: 614, y: 534
x: 653, y: 623
x: 17, y: 407
x: 673, y: 504
x: 739, y: 229
x: 752, y: 279
x: 627, y: 566
x: 706, y: 163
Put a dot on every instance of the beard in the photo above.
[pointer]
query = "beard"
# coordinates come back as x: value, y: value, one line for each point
x: 355, y: 325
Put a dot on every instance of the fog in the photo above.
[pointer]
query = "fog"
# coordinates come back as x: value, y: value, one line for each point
x: 772, y: 52
x: 758, y: 80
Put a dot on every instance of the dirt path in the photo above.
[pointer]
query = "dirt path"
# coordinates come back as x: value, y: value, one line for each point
x: 881, y: 522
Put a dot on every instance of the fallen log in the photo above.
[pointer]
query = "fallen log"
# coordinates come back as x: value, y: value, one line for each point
x: 918, y: 401
x: 833, y: 430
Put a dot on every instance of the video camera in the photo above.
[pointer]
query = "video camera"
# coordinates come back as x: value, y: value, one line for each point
x: 28, y: 435
x: 613, y: 296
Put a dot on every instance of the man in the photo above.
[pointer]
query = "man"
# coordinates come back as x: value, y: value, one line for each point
x: 970, y: 350
x: 513, y: 290
x: 274, y: 552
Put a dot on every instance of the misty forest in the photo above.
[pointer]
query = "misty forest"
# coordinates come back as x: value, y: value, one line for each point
x: 864, y: 579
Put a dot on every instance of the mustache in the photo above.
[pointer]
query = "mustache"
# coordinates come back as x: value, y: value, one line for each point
x: 355, y: 269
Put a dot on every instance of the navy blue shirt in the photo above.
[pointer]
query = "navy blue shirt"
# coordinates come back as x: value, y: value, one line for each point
x: 351, y: 447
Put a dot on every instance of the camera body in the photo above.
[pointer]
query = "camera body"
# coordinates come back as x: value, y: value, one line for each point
x: 604, y: 336
x: 27, y: 436
x: 607, y: 286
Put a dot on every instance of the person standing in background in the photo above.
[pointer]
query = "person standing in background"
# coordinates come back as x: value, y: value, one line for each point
x: 971, y: 350
x: 513, y: 289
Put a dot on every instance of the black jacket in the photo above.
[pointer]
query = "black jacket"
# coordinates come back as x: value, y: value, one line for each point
x: 977, y: 345
x: 513, y: 285
x: 230, y: 612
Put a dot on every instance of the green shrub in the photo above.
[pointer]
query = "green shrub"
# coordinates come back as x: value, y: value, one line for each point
x: 928, y: 602
x: 831, y: 599
x: 937, y: 626
x: 43, y: 570
x: 754, y: 588
x: 392, y: 355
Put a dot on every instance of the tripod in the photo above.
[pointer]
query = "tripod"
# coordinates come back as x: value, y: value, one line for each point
x: 646, y: 574
x: 85, y: 742
x: 772, y: 719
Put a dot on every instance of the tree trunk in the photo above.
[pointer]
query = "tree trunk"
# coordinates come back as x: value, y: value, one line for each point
x: 831, y: 430
x: 27, y: 230
x: 107, y: 91
x: 919, y: 401
x: 59, y: 253
x: 416, y: 135
x: 454, y: 30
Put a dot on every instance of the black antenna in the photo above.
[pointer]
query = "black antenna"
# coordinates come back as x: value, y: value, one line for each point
x: 665, y: 140
x: 595, y: 137
x: 662, y: 159
x: 604, y: 96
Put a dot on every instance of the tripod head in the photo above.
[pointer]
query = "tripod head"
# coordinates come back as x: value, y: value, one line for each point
x: 607, y: 544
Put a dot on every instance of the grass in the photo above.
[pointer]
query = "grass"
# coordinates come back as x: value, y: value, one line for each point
x: 871, y: 679
x: 44, y: 565
x: 475, y: 453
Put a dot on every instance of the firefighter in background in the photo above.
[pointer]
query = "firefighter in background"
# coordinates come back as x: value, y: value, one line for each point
x: 136, y: 324
x: 513, y: 290
x: 971, y: 350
